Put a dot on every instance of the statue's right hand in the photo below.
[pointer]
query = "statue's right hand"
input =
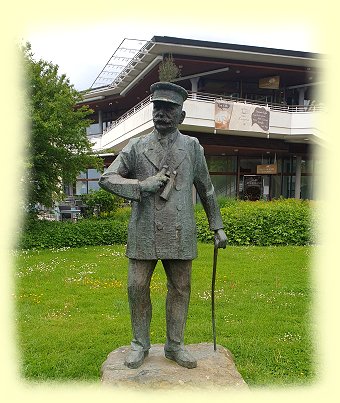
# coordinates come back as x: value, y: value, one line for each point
x: 153, y: 183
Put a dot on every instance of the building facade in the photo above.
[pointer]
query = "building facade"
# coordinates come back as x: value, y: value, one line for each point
x: 254, y: 110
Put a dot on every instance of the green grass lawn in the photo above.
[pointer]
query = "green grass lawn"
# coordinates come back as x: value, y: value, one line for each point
x: 72, y: 310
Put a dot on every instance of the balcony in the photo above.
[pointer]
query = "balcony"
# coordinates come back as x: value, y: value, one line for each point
x: 290, y: 123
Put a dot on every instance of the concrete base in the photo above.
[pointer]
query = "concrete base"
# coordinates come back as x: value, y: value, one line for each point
x: 214, y: 369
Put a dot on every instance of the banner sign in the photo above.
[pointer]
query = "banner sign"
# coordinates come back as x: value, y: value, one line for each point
x: 272, y: 83
x: 242, y: 117
x: 269, y: 169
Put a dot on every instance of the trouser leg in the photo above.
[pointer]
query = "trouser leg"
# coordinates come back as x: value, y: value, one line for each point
x: 178, y: 282
x: 139, y: 277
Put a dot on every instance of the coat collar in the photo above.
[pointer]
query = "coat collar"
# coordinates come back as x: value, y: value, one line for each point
x: 155, y: 153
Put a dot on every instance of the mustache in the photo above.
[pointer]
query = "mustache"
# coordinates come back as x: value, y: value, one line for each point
x: 161, y: 120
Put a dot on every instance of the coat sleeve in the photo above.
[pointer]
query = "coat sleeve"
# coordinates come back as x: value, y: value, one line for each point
x: 205, y: 189
x: 118, y: 178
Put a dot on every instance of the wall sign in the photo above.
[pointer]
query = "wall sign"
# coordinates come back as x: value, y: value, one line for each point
x: 269, y: 169
x: 241, y: 117
x: 272, y: 83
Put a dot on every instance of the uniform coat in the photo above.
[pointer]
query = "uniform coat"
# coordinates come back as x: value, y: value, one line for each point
x: 160, y: 229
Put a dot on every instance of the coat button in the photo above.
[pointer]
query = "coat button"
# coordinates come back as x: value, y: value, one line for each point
x: 178, y: 187
x: 179, y: 207
x: 159, y: 226
x: 179, y: 226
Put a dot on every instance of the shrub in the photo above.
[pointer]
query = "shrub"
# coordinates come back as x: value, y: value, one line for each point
x: 280, y: 222
x: 102, y: 202
x: 57, y: 234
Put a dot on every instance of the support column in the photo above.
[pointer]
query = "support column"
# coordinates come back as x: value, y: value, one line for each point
x: 302, y: 96
x: 298, y: 177
x: 100, y: 121
x: 194, y: 86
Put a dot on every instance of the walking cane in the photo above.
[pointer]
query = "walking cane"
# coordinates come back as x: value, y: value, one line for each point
x: 213, y: 280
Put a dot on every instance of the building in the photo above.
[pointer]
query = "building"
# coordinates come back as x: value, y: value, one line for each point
x: 254, y: 110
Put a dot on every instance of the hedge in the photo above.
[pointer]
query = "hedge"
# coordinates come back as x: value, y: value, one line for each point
x: 281, y: 222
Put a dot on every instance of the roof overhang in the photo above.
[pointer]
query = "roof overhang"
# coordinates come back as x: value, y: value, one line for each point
x: 155, y: 49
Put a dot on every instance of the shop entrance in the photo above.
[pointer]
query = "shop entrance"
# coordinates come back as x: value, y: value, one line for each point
x: 229, y: 171
x: 256, y: 187
x: 253, y: 186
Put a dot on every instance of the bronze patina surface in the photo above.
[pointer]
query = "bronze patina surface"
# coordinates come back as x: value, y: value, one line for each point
x: 157, y: 173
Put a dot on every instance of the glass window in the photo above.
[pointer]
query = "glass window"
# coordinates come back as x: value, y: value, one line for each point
x: 221, y: 163
x: 248, y: 165
x: 219, y: 183
x: 224, y: 185
x: 288, y: 186
x: 318, y: 166
x: 82, y: 175
x: 93, y: 174
x: 306, y: 187
x: 67, y: 189
x: 275, y: 186
x: 93, y: 129
x: 278, y: 162
x: 289, y: 165
x: 81, y: 187
x: 231, y: 185
x: 307, y: 166
x: 231, y: 164
x: 92, y: 186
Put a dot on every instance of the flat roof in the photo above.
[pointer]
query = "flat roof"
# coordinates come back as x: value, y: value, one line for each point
x: 231, y: 46
x: 153, y: 50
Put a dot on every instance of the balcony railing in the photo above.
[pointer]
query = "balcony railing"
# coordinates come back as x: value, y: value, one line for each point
x: 129, y: 113
x: 201, y: 96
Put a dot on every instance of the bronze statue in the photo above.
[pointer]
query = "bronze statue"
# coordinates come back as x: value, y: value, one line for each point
x: 157, y: 173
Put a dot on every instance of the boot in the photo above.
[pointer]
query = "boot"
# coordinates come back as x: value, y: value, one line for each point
x: 135, y: 358
x: 182, y: 357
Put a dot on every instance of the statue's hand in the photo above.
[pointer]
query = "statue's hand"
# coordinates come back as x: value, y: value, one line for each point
x: 153, y: 183
x: 220, y: 238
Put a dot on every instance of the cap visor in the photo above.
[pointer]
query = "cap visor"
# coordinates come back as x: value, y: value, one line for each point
x: 164, y: 99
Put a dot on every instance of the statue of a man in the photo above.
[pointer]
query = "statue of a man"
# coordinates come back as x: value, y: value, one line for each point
x: 157, y: 173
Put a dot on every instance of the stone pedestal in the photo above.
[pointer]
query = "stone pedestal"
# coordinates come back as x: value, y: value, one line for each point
x: 214, y: 369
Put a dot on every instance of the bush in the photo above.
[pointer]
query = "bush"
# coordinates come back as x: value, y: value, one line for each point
x: 280, y: 222
x: 56, y: 234
x: 104, y: 203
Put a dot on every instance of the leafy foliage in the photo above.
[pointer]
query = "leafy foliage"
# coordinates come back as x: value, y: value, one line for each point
x: 57, y: 234
x: 168, y: 70
x: 58, y: 147
x: 281, y: 222
x: 104, y: 202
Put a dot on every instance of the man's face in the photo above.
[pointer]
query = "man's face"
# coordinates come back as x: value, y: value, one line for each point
x: 167, y: 116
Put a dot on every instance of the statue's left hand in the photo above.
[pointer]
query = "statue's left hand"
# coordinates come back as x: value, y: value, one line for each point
x: 220, y: 238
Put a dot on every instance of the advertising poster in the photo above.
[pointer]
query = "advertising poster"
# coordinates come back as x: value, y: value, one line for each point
x: 241, y: 117
x: 272, y: 83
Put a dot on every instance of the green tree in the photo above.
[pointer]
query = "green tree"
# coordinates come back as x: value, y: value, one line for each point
x: 168, y: 69
x: 58, y: 148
